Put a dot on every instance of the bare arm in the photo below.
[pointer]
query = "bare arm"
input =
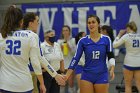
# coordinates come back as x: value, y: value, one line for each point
x: 62, y: 69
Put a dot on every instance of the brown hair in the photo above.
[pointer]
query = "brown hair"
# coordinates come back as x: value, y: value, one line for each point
x: 28, y: 17
x: 12, y: 21
x: 96, y: 17
x: 132, y: 26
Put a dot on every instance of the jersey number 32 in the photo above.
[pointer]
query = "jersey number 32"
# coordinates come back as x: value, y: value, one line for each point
x: 13, y: 47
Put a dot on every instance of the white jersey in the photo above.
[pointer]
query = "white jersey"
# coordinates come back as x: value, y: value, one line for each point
x: 53, y: 54
x: 15, y: 52
x: 72, y: 45
x: 132, y: 44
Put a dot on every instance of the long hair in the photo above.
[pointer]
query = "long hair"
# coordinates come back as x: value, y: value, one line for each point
x: 12, y: 20
x: 109, y: 31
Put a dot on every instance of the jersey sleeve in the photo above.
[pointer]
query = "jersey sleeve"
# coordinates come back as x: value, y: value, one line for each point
x: 43, y: 48
x: 34, y: 56
x: 44, y: 63
x: 78, y: 54
x: 119, y: 41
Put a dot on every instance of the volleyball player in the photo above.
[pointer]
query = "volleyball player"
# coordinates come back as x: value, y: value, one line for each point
x: 16, y: 47
x: 131, y: 66
x: 30, y: 22
x: 96, y: 47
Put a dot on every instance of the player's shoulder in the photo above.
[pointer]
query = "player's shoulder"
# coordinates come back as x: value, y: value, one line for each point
x: 105, y: 36
x: 32, y: 34
x: 85, y: 38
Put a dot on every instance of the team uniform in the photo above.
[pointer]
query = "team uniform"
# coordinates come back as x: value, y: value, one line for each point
x: 132, y: 44
x: 54, y: 56
x: 15, y: 51
x: 95, y: 68
x: 44, y: 63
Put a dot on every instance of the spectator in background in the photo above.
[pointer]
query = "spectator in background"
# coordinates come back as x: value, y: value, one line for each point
x: 80, y: 66
x: 30, y: 22
x: 131, y: 70
x: 16, y: 47
x: 52, y: 52
x: 96, y: 47
x: 68, y: 46
x: 107, y: 30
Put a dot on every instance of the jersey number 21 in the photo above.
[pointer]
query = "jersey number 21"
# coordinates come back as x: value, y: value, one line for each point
x: 135, y: 43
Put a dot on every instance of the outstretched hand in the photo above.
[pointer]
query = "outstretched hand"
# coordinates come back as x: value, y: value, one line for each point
x: 60, y: 79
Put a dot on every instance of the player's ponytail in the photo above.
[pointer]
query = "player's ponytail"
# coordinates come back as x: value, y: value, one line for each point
x: 12, y: 21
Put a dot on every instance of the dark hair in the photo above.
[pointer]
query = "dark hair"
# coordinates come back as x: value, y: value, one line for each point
x: 78, y: 36
x: 12, y: 21
x: 132, y: 26
x: 66, y: 27
x: 28, y: 17
x: 109, y: 31
x: 97, y: 19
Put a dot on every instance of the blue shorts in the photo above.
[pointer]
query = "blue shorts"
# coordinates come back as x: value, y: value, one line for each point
x: 131, y: 68
x: 79, y: 69
x: 5, y: 91
x: 95, y: 78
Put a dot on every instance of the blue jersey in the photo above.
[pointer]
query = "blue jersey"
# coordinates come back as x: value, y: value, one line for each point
x: 95, y: 54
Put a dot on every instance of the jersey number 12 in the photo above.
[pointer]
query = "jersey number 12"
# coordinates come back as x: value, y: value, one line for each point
x: 96, y: 54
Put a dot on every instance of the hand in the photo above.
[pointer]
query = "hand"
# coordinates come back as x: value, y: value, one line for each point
x: 42, y: 88
x: 60, y: 79
x: 121, y: 33
x: 112, y: 75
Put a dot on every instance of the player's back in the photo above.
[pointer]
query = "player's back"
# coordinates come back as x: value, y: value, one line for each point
x: 132, y: 44
x: 15, y: 52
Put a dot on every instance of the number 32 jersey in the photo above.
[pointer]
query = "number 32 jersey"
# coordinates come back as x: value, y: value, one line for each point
x: 15, y: 51
x: 95, y: 54
x: 132, y: 44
